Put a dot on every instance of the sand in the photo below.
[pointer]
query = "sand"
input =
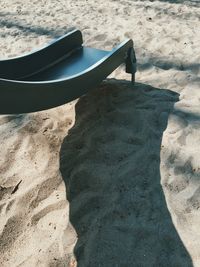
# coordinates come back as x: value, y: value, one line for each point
x: 113, y: 178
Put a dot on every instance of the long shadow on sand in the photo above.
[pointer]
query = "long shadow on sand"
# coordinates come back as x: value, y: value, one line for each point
x: 190, y: 2
x: 38, y: 30
x: 110, y: 163
x: 194, y: 3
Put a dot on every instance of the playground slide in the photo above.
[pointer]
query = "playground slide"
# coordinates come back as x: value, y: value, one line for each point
x: 58, y: 73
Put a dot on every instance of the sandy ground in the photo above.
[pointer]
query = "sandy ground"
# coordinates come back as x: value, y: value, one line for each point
x: 112, y: 179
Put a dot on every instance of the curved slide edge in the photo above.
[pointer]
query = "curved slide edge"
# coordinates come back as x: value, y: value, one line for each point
x: 18, y: 67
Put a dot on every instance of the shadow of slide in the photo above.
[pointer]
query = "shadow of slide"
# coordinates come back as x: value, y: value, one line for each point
x: 110, y: 163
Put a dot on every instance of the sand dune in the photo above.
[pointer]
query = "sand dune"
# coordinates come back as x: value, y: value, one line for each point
x: 111, y: 179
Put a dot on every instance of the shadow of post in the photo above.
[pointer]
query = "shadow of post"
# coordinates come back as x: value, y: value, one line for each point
x: 110, y: 163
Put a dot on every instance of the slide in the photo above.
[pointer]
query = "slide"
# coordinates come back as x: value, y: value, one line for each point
x: 60, y: 72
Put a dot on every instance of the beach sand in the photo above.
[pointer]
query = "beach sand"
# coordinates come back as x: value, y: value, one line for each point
x: 111, y: 179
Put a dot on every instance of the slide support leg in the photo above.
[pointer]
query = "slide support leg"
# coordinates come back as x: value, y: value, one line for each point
x: 131, y: 63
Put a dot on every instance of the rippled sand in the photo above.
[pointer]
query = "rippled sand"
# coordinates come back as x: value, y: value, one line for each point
x: 112, y: 179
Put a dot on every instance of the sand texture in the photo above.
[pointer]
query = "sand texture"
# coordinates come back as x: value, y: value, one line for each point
x: 111, y: 179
